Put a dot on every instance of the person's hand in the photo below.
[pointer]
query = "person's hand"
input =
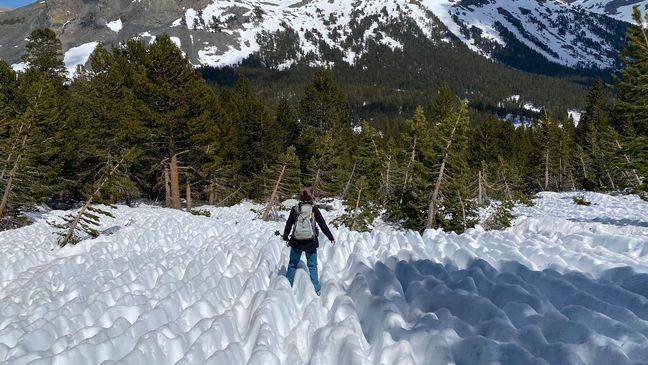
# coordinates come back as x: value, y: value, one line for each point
x: 333, y: 242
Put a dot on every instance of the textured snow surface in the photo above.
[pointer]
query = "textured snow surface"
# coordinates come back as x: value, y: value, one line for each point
x: 567, y: 284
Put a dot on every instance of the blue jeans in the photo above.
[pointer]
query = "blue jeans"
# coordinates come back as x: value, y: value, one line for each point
x: 311, y: 259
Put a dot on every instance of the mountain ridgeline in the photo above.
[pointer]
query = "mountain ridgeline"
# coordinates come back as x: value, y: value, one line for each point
x: 140, y: 121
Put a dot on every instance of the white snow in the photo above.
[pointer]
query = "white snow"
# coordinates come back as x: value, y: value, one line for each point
x: 176, y: 41
x: 78, y: 56
x: 529, y: 106
x: 115, y: 25
x: 575, y: 115
x: 20, y: 67
x: 566, y: 284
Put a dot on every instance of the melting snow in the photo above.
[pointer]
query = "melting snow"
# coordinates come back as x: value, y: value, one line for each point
x: 78, y: 56
x: 566, y: 284
x: 115, y: 25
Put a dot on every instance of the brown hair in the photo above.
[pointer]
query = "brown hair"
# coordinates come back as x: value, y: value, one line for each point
x: 306, y: 195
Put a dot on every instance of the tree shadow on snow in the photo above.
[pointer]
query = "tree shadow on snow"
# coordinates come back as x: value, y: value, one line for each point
x: 515, y: 315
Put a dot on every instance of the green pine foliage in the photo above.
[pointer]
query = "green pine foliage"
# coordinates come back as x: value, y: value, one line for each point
x: 630, y: 111
x: 416, y: 157
x: 360, y: 209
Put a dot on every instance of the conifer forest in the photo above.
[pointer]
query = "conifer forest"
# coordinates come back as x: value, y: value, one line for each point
x: 139, y: 121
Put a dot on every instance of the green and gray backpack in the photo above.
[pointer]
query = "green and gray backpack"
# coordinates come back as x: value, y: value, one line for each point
x: 304, y: 228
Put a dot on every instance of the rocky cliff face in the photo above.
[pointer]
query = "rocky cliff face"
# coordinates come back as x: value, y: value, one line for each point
x: 220, y: 32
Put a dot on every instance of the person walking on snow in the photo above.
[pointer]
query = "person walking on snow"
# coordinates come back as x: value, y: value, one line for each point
x: 303, y: 221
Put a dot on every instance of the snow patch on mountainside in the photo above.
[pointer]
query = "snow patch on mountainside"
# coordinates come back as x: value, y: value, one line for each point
x: 546, y: 28
x: 115, y: 25
x: 621, y: 10
x: 78, y: 56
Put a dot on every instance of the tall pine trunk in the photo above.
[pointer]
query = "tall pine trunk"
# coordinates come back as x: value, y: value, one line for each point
x: 407, y: 170
x: 189, y: 203
x: 212, y: 194
x: 174, y: 176
x: 546, y: 182
x: 356, y: 210
x: 167, y: 186
x: 463, y: 211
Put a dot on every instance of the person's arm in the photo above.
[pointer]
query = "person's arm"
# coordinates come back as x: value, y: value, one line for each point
x: 322, y: 224
x: 289, y: 224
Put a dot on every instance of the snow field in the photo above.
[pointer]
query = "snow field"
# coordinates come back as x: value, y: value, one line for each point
x: 567, y: 284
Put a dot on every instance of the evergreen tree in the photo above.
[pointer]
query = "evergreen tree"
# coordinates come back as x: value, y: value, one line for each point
x: 29, y: 165
x: 360, y: 209
x: 410, y: 196
x: 325, y: 169
x: 287, y: 119
x: 630, y: 112
x: 449, y: 206
x: 324, y: 107
x: 179, y: 106
x: 631, y: 104
x: 44, y: 53
x: 550, y: 137
x: 596, y: 110
x: 444, y: 104
x: 260, y: 137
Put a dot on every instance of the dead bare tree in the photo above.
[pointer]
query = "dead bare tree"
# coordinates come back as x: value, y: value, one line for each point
x: 83, y: 218
x: 20, y: 151
x: 348, y: 183
x: 273, y: 196
x: 432, y: 209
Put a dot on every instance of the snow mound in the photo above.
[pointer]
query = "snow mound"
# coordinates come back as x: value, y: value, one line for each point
x: 567, y: 284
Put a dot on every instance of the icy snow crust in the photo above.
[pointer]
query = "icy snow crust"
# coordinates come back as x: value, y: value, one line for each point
x: 567, y: 284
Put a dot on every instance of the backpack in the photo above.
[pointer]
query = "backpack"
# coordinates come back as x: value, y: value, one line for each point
x: 304, y: 228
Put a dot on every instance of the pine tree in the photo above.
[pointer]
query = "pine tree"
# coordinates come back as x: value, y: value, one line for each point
x: 44, y: 53
x: 409, y: 198
x: 550, y: 142
x: 596, y: 110
x: 324, y: 107
x: 630, y: 111
x: 178, y: 106
x: 449, y: 206
x: 631, y: 104
x: 325, y: 169
x: 444, y: 104
x: 287, y: 119
x: 261, y: 138
x: 360, y: 209
x: 29, y: 166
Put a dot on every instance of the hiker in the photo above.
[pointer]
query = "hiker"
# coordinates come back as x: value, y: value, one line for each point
x: 303, y: 221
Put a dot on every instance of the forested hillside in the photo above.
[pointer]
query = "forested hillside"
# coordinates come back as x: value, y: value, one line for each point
x: 140, y: 121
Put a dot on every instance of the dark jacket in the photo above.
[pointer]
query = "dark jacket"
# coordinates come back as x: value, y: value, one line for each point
x: 310, y: 244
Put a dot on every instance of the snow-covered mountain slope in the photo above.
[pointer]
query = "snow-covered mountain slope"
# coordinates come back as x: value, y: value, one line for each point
x: 567, y: 284
x: 619, y: 9
x: 223, y: 32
